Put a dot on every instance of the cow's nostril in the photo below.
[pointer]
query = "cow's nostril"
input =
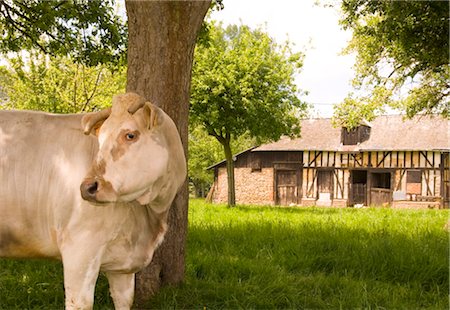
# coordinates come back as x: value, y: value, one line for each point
x: 92, y: 188
x: 89, y: 190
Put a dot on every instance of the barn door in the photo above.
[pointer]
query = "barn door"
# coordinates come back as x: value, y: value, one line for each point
x: 380, y: 188
x: 325, y: 181
x: 324, y: 187
x: 286, y: 187
x: 358, y: 187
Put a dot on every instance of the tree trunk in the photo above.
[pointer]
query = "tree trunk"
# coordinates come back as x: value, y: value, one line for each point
x: 230, y: 173
x: 162, y: 36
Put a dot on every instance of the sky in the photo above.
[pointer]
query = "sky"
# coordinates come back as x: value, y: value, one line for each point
x: 314, y: 30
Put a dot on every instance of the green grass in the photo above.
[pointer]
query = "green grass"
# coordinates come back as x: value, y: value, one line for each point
x: 273, y: 258
x: 38, y: 284
x: 253, y: 257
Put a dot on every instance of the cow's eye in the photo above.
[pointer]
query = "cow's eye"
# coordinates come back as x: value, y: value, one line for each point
x: 130, y: 136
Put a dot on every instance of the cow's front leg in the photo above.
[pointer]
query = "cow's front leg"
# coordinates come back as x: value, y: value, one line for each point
x: 81, y: 269
x: 121, y: 286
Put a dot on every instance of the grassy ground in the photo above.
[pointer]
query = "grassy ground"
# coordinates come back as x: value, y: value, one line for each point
x: 273, y: 258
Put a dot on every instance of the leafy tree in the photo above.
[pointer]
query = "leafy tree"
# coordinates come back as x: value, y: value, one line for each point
x: 56, y: 84
x: 204, y: 151
x: 243, y: 83
x: 401, y: 46
x: 89, y: 31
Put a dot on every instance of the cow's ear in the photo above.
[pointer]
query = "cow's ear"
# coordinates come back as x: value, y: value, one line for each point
x: 92, y: 122
x: 153, y: 116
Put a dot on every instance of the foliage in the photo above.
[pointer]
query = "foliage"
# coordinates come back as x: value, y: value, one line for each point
x: 204, y: 151
x: 89, y: 31
x: 281, y: 258
x: 56, y: 84
x: 243, y: 83
x: 401, y: 56
x: 352, y: 111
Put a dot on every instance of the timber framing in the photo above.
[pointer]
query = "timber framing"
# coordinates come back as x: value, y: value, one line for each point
x: 396, y: 162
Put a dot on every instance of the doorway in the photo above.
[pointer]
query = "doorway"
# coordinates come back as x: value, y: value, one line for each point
x: 358, y: 187
x: 286, y: 187
x: 325, y: 187
x: 380, y: 188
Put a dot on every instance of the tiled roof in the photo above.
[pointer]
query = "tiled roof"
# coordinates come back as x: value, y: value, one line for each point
x: 387, y: 133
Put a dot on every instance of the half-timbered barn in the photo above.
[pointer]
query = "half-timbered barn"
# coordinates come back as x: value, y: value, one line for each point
x: 388, y: 162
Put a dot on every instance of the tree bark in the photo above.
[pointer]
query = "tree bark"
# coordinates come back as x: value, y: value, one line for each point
x: 230, y: 174
x: 162, y: 36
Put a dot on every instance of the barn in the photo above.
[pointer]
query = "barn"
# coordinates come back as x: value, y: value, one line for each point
x: 391, y: 161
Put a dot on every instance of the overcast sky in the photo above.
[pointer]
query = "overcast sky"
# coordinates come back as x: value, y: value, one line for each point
x: 315, y: 31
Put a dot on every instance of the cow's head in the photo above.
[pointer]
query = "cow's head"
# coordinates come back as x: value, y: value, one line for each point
x: 140, y: 156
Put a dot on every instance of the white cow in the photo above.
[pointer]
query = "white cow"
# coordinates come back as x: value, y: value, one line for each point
x: 92, y: 190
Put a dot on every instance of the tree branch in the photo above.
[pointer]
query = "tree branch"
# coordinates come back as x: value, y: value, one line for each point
x: 22, y: 28
x: 212, y: 132
x: 17, y: 26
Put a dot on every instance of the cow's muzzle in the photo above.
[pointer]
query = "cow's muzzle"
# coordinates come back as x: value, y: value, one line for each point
x: 98, y: 191
x: 89, y: 189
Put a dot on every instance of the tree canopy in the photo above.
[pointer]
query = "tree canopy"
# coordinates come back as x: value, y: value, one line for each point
x: 35, y: 81
x: 89, y: 31
x: 401, y: 57
x: 243, y: 83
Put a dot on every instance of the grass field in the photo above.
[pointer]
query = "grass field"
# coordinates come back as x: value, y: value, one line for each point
x: 277, y: 258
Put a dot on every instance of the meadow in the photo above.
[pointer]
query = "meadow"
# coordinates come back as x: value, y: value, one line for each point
x: 282, y: 258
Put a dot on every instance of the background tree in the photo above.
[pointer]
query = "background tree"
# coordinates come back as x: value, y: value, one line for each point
x: 243, y: 83
x: 401, y: 57
x: 88, y: 31
x: 56, y: 84
x: 204, y: 151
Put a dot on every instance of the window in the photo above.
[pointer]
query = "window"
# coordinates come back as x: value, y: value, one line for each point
x: 414, y: 182
x: 381, y: 180
x: 349, y: 137
x: 414, y: 176
x: 355, y: 136
x: 255, y: 163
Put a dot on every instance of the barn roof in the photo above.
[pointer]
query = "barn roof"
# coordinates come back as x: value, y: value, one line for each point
x: 387, y: 133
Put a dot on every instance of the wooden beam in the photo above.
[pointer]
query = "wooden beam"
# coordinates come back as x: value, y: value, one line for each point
x: 399, y: 184
x: 315, y: 158
x: 357, y: 161
x: 385, y: 154
x: 312, y: 183
x: 340, y: 187
x: 426, y: 158
x: 427, y: 182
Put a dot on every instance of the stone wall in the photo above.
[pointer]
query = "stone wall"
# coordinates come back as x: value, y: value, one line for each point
x: 251, y: 187
x: 416, y: 205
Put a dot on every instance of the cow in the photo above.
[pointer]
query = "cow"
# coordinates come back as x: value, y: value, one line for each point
x: 92, y: 190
